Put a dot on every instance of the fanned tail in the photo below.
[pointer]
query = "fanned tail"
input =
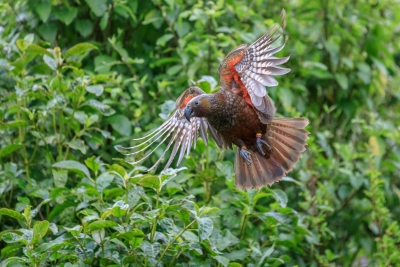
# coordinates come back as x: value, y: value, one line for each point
x: 288, y: 139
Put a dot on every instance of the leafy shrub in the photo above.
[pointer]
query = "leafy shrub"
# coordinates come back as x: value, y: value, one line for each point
x: 79, y: 77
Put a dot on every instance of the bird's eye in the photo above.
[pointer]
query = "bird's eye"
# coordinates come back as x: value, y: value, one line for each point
x: 196, y: 103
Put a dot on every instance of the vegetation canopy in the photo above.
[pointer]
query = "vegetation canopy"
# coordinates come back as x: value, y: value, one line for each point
x: 79, y: 78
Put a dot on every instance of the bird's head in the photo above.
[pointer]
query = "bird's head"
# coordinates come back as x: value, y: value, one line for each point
x: 199, y: 106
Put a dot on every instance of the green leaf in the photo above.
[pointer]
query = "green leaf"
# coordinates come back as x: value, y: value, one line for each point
x: 84, y: 27
x: 98, y: 236
x: 103, y: 181
x: 72, y: 165
x: 166, y: 108
x: 27, y: 213
x: 121, y: 124
x: 43, y: 8
x: 226, y: 168
x: 364, y: 72
x: 281, y: 197
x: 48, y: 31
x: 11, y: 237
x: 34, y: 49
x: 39, y: 231
x: 7, y: 254
x: 224, y: 261
x: 92, y: 164
x: 60, y: 177
x: 97, y: 225
x: 204, y: 210
x: 286, y: 97
x: 237, y: 255
x: 151, y: 250
x: 266, y: 254
x: 50, y: 62
x: 342, y: 81
x: 276, y: 215
x: 205, y: 226
x: 168, y: 174
x: 104, y: 109
x: 40, y: 193
x: 210, y: 80
x: 118, y: 169
x: 23, y: 44
x: 12, y: 214
x: 98, y: 7
x: 260, y: 195
x: 8, y: 149
x: 10, y: 124
x: 135, y: 236
x: 53, y: 228
x: 60, y: 209
x: 151, y: 181
x: 67, y: 15
x: 95, y: 89
x: 172, y: 71
x: 163, y: 39
x: 77, y: 144
x: 119, y: 209
x: 104, y: 21
x: 79, y: 49
x: 75, y: 231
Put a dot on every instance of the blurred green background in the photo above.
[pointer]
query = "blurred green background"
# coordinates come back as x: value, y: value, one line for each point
x: 78, y: 77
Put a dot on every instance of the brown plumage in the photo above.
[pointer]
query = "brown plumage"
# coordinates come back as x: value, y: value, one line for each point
x: 241, y: 113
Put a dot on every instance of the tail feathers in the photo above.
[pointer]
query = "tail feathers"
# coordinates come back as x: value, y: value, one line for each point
x: 288, y: 140
x: 259, y: 173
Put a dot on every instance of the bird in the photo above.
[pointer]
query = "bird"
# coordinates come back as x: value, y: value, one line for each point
x: 241, y: 113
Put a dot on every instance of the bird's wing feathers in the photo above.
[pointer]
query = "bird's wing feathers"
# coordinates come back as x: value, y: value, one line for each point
x: 187, y: 95
x: 181, y: 133
x: 247, y: 70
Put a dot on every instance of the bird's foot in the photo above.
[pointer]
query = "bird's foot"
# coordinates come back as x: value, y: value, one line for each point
x: 245, y: 154
x: 259, y: 144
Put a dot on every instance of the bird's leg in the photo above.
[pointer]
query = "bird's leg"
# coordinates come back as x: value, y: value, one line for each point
x: 245, y: 154
x: 259, y: 144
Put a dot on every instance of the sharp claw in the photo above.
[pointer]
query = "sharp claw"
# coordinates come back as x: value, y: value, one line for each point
x: 268, y: 145
x: 245, y: 154
x: 259, y: 143
x: 259, y: 148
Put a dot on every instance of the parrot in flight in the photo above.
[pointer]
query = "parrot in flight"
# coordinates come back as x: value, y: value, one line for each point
x: 241, y: 113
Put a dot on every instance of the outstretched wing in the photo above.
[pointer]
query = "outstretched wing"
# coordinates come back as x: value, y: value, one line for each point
x: 248, y: 69
x: 181, y: 133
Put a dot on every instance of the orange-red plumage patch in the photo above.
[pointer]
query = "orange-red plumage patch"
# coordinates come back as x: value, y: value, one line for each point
x: 231, y: 65
x: 184, y: 103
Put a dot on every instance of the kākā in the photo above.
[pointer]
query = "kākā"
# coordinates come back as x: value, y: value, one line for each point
x: 241, y: 113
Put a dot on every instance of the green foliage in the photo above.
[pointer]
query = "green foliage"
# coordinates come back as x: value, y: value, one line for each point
x: 78, y: 78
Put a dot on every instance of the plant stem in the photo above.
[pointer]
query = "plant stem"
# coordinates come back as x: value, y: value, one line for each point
x: 206, y: 183
x: 57, y: 135
x: 83, y: 249
x: 173, y: 241
x: 243, y: 225
x: 206, y: 192
x: 22, y: 140
x: 207, y: 161
x: 154, y: 227
x: 175, y: 257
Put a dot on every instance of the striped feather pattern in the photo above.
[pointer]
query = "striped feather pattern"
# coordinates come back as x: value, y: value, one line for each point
x: 182, y: 136
x: 288, y: 140
x: 258, y: 66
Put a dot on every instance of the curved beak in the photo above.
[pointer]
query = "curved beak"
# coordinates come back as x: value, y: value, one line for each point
x: 188, y: 112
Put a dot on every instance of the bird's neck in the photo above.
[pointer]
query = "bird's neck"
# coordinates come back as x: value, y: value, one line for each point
x: 221, y: 111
